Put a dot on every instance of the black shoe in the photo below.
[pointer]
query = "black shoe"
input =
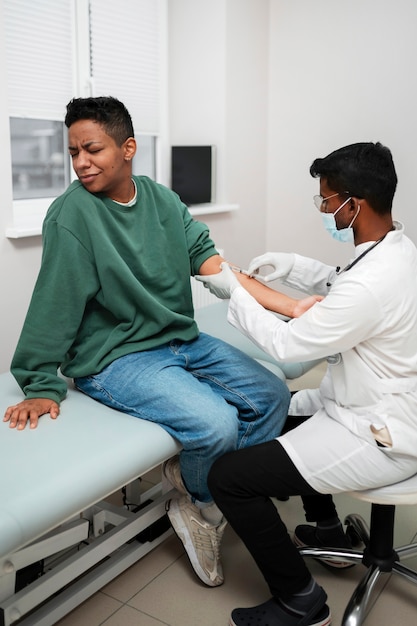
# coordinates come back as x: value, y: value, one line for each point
x: 307, y: 536
x: 271, y: 612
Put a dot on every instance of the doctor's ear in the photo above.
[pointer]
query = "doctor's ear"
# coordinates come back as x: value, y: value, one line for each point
x: 354, y: 204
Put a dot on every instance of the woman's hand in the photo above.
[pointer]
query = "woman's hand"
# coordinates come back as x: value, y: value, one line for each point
x: 30, y: 411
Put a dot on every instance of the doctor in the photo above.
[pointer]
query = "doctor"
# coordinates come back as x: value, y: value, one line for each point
x: 362, y: 432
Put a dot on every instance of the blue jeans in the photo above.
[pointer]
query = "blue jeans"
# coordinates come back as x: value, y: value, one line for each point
x: 208, y: 395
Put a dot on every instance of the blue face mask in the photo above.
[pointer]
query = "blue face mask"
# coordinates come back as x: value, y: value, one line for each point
x: 344, y: 235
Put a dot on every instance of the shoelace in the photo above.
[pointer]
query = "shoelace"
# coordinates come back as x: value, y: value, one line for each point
x: 205, y: 541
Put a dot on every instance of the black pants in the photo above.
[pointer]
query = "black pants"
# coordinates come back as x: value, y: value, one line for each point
x: 242, y: 483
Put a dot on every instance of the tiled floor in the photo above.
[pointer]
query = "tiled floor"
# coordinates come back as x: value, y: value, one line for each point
x: 162, y: 588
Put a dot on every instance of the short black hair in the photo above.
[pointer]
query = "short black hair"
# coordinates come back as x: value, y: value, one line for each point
x: 107, y: 111
x: 364, y: 170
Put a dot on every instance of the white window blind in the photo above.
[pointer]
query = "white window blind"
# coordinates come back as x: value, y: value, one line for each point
x: 39, y: 51
x: 125, y: 57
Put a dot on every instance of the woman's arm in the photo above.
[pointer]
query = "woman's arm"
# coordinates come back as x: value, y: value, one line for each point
x: 267, y: 297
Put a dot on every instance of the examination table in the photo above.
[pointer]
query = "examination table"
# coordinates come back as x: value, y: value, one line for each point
x: 61, y: 538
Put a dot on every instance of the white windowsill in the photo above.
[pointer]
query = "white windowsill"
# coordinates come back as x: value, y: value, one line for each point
x: 17, y: 232
x: 28, y: 216
x: 209, y: 208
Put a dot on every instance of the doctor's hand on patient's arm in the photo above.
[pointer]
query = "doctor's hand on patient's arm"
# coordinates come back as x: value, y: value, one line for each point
x: 282, y: 263
x: 224, y: 283
x: 30, y: 411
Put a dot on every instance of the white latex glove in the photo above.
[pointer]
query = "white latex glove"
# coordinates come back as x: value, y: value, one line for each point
x: 222, y: 284
x: 282, y: 262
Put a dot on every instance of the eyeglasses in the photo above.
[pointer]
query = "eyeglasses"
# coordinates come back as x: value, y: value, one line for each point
x: 318, y: 200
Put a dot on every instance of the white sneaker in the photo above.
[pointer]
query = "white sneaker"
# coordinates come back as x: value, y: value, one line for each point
x: 172, y: 472
x: 200, y: 538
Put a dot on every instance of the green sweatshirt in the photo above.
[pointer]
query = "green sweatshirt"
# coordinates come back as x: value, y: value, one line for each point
x: 113, y: 280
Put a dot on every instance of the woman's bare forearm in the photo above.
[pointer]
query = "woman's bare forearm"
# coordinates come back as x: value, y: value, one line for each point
x: 269, y: 298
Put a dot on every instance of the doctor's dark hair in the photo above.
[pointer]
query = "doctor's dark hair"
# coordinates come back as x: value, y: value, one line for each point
x: 107, y: 111
x: 364, y: 170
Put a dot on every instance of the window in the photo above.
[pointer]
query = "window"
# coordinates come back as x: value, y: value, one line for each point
x: 40, y: 166
x: 59, y: 49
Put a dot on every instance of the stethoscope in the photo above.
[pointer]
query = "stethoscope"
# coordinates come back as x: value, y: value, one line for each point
x: 364, y: 253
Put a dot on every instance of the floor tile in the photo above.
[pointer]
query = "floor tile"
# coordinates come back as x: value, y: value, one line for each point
x: 144, y: 571
x: 127, y: 616
x: 92, y: 612
x: 180, y: 599
x: 397, y: 604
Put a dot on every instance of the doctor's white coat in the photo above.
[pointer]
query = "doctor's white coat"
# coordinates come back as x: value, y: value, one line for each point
x: 366, y: 327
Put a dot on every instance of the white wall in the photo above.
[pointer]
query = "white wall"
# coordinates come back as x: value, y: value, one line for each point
x: 19, y: 259
x: 218, y: 57
x: 340, y: 72
x: 247, y: 50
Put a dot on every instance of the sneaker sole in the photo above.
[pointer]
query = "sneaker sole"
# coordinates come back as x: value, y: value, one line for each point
x: 324, y: 620
x: 326, y: 562
x: 183, y: 534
